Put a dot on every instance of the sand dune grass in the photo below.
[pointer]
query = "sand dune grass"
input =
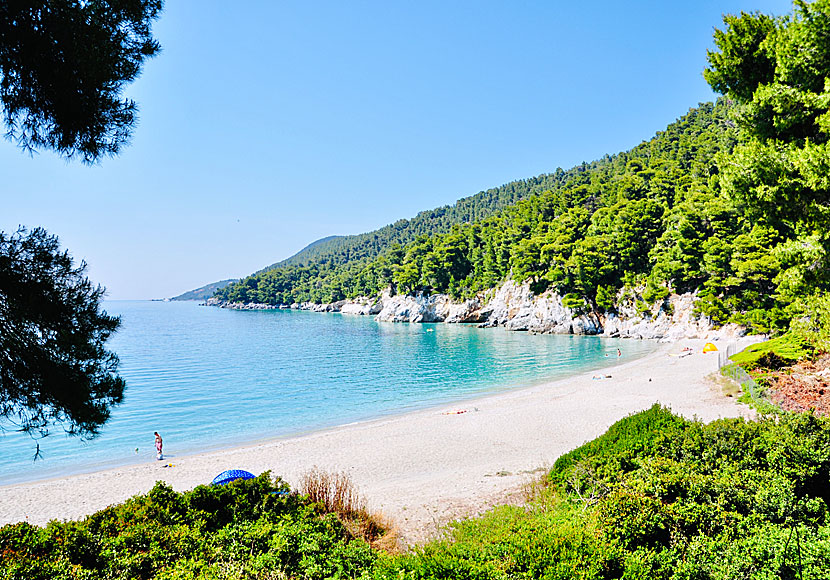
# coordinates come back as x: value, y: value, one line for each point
x: 336, y: 493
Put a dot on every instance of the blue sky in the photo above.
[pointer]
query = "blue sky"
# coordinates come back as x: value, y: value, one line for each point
x: 267, y: 125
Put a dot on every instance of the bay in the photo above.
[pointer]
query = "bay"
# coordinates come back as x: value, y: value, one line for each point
x: 208, y: 378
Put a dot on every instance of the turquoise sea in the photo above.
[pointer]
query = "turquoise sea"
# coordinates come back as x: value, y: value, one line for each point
x: 208, y: 378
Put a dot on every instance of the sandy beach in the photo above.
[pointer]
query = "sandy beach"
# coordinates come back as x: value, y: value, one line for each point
x: 425, y: 468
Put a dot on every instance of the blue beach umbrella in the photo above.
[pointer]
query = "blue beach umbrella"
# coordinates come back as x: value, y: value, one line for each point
x: 230, y: 475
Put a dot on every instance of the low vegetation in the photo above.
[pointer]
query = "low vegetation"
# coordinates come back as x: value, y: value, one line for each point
x: 776, y: 353
x: 246, y: 529
x: 790, y: 372
x: 657, y: 497
x: 336, y: 493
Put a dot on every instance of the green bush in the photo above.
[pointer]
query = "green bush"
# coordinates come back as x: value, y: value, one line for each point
x: 614, y: 452
x: 779, y: 352
x: 668, y: 499
x: 246, y: 529
x: 657, y: 496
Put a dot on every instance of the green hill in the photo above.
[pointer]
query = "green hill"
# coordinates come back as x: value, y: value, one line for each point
x: 338, y: 249
x: 586, y: 232
x: 206, y: 291
x: 730, y: 201
x: 307, y: 254
x: 343, y: 249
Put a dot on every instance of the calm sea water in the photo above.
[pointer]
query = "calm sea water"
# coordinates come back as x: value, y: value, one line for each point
x: 208, y: 378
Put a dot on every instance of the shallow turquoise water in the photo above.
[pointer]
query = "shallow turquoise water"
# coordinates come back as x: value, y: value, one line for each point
x: 208, y: 378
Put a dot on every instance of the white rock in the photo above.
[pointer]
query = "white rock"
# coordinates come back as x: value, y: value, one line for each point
x: 515, y: 307
x: 363, y: 306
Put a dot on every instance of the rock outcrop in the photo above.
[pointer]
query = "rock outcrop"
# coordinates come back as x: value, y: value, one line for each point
x: 432, y: 308
x: 363, y: 306
x: 516, y: 307
x: 240, y: 305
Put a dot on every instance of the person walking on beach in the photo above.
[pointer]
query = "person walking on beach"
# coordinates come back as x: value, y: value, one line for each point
x: 619, y: 353
x: 159, y: 443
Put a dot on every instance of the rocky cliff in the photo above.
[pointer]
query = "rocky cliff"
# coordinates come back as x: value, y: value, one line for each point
x: 515, y: 307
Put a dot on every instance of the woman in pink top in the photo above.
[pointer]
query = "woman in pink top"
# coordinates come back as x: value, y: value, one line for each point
x: 158, y: 445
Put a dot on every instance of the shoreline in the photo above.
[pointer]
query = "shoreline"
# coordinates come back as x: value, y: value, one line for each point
x: 312, y: 431
x: 186, y: 448
x: 424, y: 467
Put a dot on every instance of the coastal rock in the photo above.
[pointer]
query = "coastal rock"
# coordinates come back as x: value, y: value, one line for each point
x: 468, y: 311
x: 314, y: 307
x: 674, y: 319
x: 240, y: 305
x: 418, y: 308
x: 515, y: 306
x: 363, y: 306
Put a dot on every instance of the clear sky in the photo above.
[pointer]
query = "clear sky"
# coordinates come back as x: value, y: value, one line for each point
x: 265, y: 125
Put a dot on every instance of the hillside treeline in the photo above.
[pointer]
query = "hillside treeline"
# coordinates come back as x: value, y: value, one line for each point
x: 650, y: 217
x: 732, y: 201
x: 341, y: 249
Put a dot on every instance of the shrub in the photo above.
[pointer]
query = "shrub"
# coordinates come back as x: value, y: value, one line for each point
x: 657, y: 496
x: 335, y: 493
x: 776, y: 353
x: 246, y: 529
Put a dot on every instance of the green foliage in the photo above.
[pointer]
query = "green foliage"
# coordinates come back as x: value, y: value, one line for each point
x: 669, y: 499
x: 812, y: 320
x: 247, y: 529
x: 777, y: 71
x: 337, y: 250
x: 204, y: 292
x: 625, y: 440
x: 741, y: 62
x: 657, y: 496
x: 54, y: 367
x: 776, y: 353
x: 63, y: 68
x: 554, y: 541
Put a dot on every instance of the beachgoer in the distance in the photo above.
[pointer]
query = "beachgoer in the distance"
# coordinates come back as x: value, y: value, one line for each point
x: 159, y: 443
x: 619, y: 352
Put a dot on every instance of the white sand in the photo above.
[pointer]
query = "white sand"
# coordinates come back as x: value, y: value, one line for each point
x: 425, y: 468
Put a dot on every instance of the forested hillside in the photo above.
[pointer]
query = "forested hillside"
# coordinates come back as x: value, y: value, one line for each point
x: 731, y: 201
x: 308, y: 254
x: 587, y: 233
x: 204, y: 292
x: 341, y: 249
